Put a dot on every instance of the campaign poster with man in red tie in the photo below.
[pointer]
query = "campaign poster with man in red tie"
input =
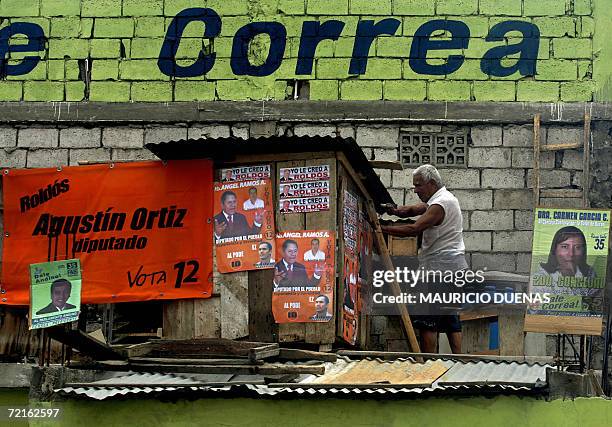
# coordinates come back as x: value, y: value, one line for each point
x: 244, y: 225
x: 303, y: 286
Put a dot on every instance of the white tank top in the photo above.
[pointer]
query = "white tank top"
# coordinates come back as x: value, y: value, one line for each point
x: 444, y: 240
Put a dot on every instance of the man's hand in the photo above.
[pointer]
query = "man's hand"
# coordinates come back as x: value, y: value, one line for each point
x: 278, y: 276
x: 220, y: 227
x: 389, y: 208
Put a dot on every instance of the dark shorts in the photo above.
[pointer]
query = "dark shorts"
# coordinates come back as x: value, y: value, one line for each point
x: 437, y: 323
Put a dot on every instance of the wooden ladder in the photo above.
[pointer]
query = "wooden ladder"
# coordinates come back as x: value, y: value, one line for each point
x: 538, y: 148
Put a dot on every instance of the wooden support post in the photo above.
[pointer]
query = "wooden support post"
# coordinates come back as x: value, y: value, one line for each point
x: 586, y: 166
x: 388, y: 263
x: 536, y: 160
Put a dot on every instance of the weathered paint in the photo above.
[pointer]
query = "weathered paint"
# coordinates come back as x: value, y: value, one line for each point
x: 510, y: 411
x: 154, y: 50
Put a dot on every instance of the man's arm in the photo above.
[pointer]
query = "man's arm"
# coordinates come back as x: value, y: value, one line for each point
x: 433, y: 216
x: 408, y: 211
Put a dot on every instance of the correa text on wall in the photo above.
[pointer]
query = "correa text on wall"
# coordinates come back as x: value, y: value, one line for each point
x: 313, y: 32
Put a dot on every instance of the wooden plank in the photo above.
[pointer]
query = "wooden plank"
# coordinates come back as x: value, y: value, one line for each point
x: 324, y: 332
x: 207, y: 317
x: 511, y: 335
x: 289, y: 332
x: 295, y: 354
x: 385, y: 164
x: 178, y: 319
x: 181, y: 361
x: 474, y: 315
x: 536, y: 159
x: 379, y: 240
x: 574, y: 193
x: 204, y: 347
x: 83, y: 343
x: 265, y: 369
x: 586, y: 161
x: 475, y: 336
x: 563, y: 324
x: 392, y: 355
x: 263, y: 352
x: 341, y: 179
x: 134, y: 350
x: 235, y: 305
x: 563, y: 146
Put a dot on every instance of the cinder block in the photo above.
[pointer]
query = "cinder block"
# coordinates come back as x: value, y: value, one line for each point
x: 78, y: 137
x: 8, y: 137
x: 573, y: 159
x: 397, y: 194
x: 263, y: 129
x: 477, y: 241
x: 492, y: 220
x: 523, y: 220
x: 489, y: 157
x: 460, y: 178
x: 523, y: 263
x: 512, y: 241
x: 90, y: 155
x: 385, y: 154
x: 486, y: 136
x: 431, y: 128
x: 564, y: 135
x: 561, y: 202
x: 12, y: 158
x: 241, y: 131
x: 513, y: 199
x: 37, y: 137
x: 46, y: 158
x: 346, y: 131
x: 387, y: 136
x: 123, y: 137
x: 208, y: 131
x: 314, y: 130
x: 494, y: 262
x: 503, y: 178
x: 385, y: 176
x: 132, y: 154
x: 403, y: 178
x: 465, y: 216
x: 523, y: 158
x: 474, y: 199
x: 551, y: 178
x: 521, y: 136
x: 156, y: 135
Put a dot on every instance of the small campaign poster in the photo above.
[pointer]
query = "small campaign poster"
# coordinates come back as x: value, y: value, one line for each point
x: 304, y: 276
x: 245, y: 173
x: 350, y: 219
x: 303, y: 189
x: 244, y: 225
x: 55, y: 293
x: 569, y: 261
x: 304, y: 174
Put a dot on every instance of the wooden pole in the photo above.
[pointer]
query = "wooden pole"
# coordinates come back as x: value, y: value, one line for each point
x: 586, y: 167
x: 536, y: 160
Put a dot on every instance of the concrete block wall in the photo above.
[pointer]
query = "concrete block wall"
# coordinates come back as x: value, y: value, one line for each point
x: 108, y: 51
x: 494, y: 190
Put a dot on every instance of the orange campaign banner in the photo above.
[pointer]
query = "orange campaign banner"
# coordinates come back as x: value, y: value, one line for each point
x: 244, y: 225
x: 141, y: 230
x: 304, y: 276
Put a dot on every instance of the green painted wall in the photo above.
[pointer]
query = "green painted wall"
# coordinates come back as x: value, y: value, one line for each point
x: 121, y: 41
x: 506, y: 411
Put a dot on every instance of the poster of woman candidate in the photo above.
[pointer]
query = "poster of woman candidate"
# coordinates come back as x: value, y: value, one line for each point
x: 304, y: 276
x: 243, y: 225
x: 55, y: 293
x: 569, y: 260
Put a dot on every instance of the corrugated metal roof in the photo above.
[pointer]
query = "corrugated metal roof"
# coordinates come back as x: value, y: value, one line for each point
x: 225, y: 149
x: 461, y: 377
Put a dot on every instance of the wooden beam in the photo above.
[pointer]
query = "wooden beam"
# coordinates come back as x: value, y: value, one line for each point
x: 586, y: 161
x: 264, y: 369
x: 83, y: 343
x: 386, y: 164
x: 263, y: 352
x: 562, y: 146
x: 180, y: 361
x: 536, y: 160
x: 295, y: 354
x: 385, y: 256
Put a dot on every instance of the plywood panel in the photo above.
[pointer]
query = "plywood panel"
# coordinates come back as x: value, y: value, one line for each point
x: 235, y: 305
x: 289, y: 332
x: 324, y: 333
x: 511, y: 335
x: 563, y: 324
x: 207, y: 316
